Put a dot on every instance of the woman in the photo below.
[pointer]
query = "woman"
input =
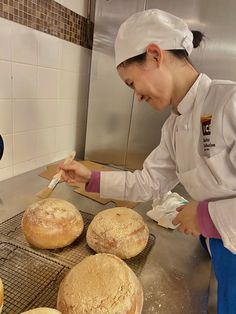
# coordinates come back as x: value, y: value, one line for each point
x: 197, y: 146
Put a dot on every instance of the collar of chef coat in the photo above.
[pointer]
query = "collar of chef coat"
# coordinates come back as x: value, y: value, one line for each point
x: 187, y: 102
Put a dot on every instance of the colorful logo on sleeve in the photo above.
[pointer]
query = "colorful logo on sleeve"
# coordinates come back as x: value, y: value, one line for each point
x: 206, y: 124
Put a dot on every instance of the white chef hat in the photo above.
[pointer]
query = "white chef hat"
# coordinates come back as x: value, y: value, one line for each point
x: 151, y: 26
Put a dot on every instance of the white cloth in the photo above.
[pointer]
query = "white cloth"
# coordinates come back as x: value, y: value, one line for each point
x: 198, y: 149
x: 164, y: 209
x: 151, y: 26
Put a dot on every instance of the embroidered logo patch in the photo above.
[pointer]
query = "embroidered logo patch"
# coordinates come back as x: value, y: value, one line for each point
x: 206, y: 131
x: 206, y: 124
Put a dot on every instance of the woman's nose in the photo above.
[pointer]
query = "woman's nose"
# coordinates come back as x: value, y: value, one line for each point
x: 1, y: 147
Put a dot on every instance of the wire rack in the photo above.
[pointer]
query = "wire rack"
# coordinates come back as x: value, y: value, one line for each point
x: 75, y: 252
x: 30, y: 279
x: 32, y: 276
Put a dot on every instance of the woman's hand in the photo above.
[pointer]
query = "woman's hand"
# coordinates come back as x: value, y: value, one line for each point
x: 75, y: 172
x: 187, y: 219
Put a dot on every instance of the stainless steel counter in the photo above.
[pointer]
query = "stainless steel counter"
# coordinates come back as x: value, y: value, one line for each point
x: 176, y: 275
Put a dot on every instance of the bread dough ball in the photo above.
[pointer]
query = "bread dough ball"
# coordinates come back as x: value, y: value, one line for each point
x: 120, y: 231
x: 42, y: 310
x: 51, y: 223
x: 101, y: 283
x: 1, y: 295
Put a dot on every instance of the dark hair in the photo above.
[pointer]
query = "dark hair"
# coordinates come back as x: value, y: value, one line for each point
x: 178, y: 53
x: 139, y: 59
x: 197, y: 38
x: 182, y: 53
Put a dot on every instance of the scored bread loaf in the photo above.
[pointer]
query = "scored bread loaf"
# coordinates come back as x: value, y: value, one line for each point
x: 101, y: 283
x: 42, y: 310
x: 51, y: 223
x: 120, y: 231
x: 1, y: 295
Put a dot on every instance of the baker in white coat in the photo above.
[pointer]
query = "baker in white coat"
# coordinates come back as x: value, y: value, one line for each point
x: 197, y: 146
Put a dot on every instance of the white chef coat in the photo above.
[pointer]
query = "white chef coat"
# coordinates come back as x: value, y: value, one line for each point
x: 198, y: 149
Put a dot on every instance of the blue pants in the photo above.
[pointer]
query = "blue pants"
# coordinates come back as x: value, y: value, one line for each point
x: 224, y: 264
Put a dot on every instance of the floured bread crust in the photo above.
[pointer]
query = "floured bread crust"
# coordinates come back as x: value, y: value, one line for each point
x: 1, y: 295
x: 51, y: 223
x: 42, y: 310
x: 120, y: 231
x: 101, y: 283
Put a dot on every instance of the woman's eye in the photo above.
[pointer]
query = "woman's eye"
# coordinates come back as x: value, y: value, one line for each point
x: 131, y: 85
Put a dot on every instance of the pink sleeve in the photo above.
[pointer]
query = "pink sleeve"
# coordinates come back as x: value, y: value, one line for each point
x: 94, y: 183
x: 206, y: 224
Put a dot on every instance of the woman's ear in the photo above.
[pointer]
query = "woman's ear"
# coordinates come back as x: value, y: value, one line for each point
x: 154, y: 52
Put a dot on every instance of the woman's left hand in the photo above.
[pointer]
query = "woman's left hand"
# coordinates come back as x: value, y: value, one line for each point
x: 187, y: 219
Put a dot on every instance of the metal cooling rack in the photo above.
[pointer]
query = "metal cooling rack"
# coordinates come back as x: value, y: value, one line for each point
x: 30, y: 279
x: 75, y: 252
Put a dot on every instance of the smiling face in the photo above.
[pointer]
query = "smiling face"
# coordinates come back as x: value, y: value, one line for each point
x: 151, y: 80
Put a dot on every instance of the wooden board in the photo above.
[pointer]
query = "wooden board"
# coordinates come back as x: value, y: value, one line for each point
x: 80, y: 187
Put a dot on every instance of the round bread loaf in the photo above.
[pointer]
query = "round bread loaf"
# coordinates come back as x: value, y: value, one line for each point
x: 42, y: 310
x: 120, y: 231
x: 101, y: 283
x: 1, y: 295
x: 51, y: 223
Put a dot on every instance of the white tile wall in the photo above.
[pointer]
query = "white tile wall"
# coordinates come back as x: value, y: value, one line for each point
x: 49, y: 51
x: 43, y: 84
x: 5, y: 79
x: 70, y: 57
x: 24, y: 44
x: 6, y: 117
x: 67, y: 112
x: 5, y: 37
x: 65, y: 137
x: 48, y: 80
x: 24, y: 146
x: 24, y: 80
